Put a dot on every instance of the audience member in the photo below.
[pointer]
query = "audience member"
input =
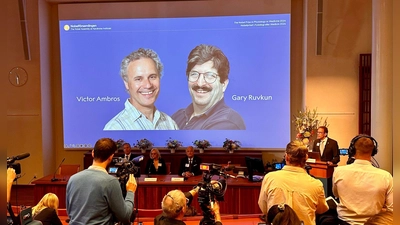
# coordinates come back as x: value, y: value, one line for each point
x: 94, y: 196
x: 175, y: 204
x: 11, y: 175
x: 362, y: 189
x: 293, y: 186
x: 156, y: 164
x: 46, y: 210
x: 190, y: 164
x: 382, y: 218
x: 282, y: 214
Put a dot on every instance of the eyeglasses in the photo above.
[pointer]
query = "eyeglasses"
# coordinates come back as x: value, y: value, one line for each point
x: 209, y: 77
x: 187, y: 200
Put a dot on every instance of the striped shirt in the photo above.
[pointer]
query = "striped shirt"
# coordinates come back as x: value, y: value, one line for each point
x: 132, y: 119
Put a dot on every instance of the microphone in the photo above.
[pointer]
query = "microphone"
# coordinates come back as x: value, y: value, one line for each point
x: 54, y: 177
x: 34, y: 177
x: 137, y: 159
x: 18, y: 157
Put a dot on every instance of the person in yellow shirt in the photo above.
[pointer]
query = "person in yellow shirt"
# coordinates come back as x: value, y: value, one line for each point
x: 294, y: 186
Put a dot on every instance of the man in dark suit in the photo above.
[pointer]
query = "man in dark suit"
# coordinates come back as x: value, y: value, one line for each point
x: 127, y: 152
x: 190, y: 165
x: 327, y: 147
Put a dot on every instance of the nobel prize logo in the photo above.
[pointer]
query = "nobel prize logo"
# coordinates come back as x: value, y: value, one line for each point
x: 66, y: 27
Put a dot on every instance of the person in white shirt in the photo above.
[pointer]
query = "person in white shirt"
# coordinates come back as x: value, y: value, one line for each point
x: 363, y: 190
x: 294, y: 187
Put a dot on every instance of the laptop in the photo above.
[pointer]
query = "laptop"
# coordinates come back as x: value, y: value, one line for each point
x: 314, y: 155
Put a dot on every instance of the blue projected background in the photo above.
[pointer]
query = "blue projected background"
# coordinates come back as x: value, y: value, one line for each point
x: 257, y: 47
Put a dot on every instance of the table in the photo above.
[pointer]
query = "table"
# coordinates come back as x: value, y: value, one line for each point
x: 44, y: 185
x: 216, y: 155
x: 241, y: 196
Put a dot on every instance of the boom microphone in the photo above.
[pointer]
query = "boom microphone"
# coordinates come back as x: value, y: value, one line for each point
x: 54, y: 177
x: 18, y: 157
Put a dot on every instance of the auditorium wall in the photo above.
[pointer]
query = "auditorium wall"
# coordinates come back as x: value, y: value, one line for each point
x: 328, y: 81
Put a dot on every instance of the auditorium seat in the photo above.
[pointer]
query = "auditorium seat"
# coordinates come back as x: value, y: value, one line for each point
x: 69, y: 169
x: 148, y: 212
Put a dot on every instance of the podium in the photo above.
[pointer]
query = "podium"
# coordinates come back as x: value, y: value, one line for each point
x: 323, y: 172
x: 321, y: 169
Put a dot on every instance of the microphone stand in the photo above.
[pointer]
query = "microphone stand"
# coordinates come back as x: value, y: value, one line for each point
x: 54, y: 177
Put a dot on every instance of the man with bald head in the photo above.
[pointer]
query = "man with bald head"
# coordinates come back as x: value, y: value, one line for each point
x: 190, y: 165
x: 363, y: 190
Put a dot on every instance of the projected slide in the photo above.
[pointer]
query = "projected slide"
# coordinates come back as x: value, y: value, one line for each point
x: 257, y: 92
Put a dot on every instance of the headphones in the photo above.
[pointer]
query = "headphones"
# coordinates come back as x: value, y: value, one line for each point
x: 352, y: 148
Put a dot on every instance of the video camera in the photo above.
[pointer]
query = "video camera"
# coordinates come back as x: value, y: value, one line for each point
x: 209, y: 190
x: 16, y: 166
x: 121, y: 168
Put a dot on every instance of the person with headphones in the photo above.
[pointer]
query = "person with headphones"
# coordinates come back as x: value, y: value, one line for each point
x: 363, y: 190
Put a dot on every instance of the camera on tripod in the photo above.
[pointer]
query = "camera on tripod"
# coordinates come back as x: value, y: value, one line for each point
x: 211, y: 190
x: 121, y: 169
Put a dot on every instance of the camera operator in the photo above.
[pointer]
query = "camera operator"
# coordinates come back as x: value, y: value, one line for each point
x: 94, y: 196
x: 174, y: 206
x: 10, y: 179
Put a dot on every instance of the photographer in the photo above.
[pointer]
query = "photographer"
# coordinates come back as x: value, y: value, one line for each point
x: 94, y: 196
x: 174, y: 206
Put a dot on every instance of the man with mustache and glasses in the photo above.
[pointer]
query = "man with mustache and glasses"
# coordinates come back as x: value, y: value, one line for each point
x: 141, y: 72
x: 207, y: 73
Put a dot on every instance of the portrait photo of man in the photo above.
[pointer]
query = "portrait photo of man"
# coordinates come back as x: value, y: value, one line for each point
x: 207, y: 74
x: 141, y: 72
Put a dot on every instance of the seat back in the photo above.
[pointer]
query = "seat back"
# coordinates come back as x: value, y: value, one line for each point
x: 69, y: 169
x: 149, y: 212
x: 168, y: 165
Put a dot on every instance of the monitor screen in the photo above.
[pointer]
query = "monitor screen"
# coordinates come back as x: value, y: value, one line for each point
x: 112, y: 170
x: 344, y: 151
x: 254, y: 166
